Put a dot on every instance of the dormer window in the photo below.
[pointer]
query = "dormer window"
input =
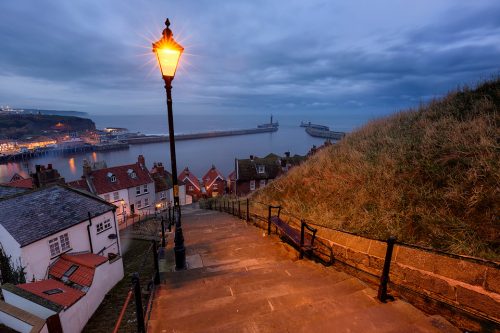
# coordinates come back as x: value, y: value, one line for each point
x: 131, y: 173
x: 261, y: 168
x: 111, y: 177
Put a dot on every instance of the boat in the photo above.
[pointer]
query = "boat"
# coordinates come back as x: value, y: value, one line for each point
x: 316, y: 126
x: 269, y: 125
x: 327, y: 134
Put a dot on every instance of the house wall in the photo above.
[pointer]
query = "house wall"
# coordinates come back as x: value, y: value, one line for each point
x: 101, y: 240
x: 221, y: 187
x: 123, y: 194
x: 10, y: 246
x: 21, y: 320
x: 150, y: 195
x: 106, y: 276
x: 36, y: 256
x: 27, y: 305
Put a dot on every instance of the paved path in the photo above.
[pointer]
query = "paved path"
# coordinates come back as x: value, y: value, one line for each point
x: 243, y: 281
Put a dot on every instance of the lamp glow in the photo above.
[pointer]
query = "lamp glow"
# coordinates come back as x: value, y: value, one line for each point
x: 168, y: 52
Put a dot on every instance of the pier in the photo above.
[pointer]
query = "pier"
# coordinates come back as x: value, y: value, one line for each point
x: 41, y: 152
x: 196, y: 136
x: 327, y: 134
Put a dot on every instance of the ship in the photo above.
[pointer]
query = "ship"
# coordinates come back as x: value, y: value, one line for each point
x: 269, y: 125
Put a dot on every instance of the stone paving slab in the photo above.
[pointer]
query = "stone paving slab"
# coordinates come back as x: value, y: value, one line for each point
x: 240, y: 280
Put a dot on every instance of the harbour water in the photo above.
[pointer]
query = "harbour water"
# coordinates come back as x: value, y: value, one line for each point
x: 198, y: 155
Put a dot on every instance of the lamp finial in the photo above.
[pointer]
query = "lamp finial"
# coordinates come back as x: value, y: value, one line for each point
x: 167, y: 22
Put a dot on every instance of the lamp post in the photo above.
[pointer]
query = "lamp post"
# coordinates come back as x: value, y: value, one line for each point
x: 168, y: 52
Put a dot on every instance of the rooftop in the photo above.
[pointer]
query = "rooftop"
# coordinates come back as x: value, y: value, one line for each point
x: 7, y: 191
x: 37, y: 214
x: 189, y: 176
x: 125, y: 176
x: 53, y: 291
x: 76, y: 268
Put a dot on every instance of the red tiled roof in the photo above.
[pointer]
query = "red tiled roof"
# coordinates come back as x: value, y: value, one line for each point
x: 21, y: 183
x: 80, y: 184
x: 103, y: 184
x: 189, y: 176
x: 86, y: 259
x: 67, y: 297
x: 84, y: 274
x: 211, y: 176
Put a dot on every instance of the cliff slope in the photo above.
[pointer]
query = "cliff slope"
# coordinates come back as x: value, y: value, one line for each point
x: 429, y: 176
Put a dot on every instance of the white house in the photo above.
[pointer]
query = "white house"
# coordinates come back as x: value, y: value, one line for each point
x: 75, y: 288
x: 129, y: 187
x: 37, y: 227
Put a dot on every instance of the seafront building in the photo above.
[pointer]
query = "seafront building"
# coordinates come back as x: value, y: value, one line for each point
x: 254, y: 173
x: 129, y: 187
x: 214, y: 183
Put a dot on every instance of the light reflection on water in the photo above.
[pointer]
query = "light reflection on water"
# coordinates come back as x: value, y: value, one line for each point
x: 198, y: 155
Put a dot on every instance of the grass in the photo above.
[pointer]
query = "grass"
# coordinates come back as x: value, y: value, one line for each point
x: 429, y: 176
x: 138, y: 255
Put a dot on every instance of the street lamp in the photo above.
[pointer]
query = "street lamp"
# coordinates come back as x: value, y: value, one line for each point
x: 168, y: 53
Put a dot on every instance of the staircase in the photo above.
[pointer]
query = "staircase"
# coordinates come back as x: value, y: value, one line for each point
x: 243, y: 281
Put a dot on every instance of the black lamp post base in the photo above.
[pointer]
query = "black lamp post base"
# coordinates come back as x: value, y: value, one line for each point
x: 180, y: 258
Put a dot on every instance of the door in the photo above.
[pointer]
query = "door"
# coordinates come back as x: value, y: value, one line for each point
x: 132, y: 209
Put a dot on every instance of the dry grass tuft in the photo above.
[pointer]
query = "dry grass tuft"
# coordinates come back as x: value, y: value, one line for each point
x: 429, y: 176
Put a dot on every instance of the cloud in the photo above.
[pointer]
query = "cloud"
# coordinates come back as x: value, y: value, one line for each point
x: 245, y: 56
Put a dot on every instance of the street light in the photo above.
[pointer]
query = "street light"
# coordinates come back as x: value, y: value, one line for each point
x: 168, y: 53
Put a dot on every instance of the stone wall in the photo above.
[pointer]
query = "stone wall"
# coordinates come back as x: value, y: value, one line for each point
x: 466, y: 290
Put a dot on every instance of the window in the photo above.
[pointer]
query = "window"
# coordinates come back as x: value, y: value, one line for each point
x: 138, y: 204
x: 146, y: 202
x: 252, y: 185
x: 262, y: 183
x: 116, y: 196
x: 261, y: 169
x: 137, y: 190
x: 145, y: 188
x: 105, y: 225
x: 70, y: 271
x: 64, y: 242
x: 214, y: 186
x: 113, y: 179
x: 191, y: 188
x: 54, y: 247
x: 106, y: 197
x: 162, y: 195
x: 59, y: 244
x: 53, y: 291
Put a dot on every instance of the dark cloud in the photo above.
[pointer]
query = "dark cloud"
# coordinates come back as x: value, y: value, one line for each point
x: 292, y: 56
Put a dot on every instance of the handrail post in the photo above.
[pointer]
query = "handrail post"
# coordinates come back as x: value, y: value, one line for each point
x: 232, y: 203
x: 301, y: 245
x: 269, y: 220
x: 139, y: 312
x: 162, y: 232
x: 384, y: 279
x: 157, y: 265
x: 248, y: 211
x: 220, y: 206
x: 239, y: 209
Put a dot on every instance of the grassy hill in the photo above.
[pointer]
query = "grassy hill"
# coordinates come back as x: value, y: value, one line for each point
x: 429, y: 176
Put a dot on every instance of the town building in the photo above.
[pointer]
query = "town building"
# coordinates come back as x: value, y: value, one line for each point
x: 129, y: 187
x: 163, y: 187
x: 214, y: 183
x: 43, y: 176
x: 67, y: 299
x: 38, y: 226
x: 255, y: 172
x: 193, y: 186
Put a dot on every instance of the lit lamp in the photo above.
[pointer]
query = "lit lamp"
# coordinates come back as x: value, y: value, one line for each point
x: 168, y: 53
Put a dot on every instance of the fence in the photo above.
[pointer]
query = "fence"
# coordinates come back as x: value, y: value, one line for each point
x: 465, y: 290
x: 143, y: 311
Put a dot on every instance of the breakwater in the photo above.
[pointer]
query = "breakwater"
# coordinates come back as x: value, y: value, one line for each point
x: 61, y: 151
x: 319, y: 133
x: 196, y: 136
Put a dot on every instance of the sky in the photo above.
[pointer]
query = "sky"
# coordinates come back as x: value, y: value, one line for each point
x: 259, y: 56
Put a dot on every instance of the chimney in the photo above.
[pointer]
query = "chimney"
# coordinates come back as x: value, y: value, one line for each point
x: 49, y: 166
x: 251, y: 157
x: 87, y: 169
x: 38, y: 167
x: 287, y: 154
x: 141, y: 160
